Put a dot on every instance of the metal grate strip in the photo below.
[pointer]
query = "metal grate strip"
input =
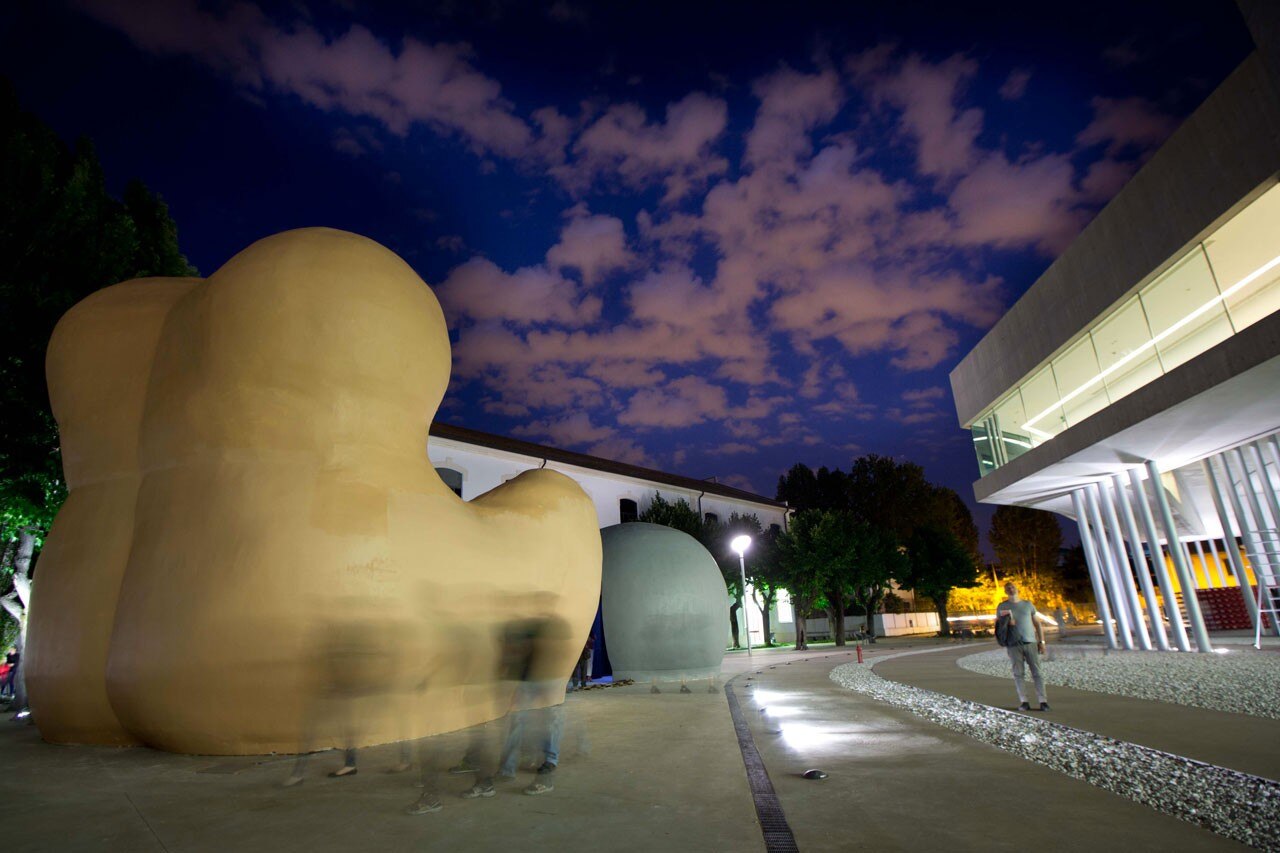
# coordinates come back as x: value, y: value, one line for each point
x: 773, y: 823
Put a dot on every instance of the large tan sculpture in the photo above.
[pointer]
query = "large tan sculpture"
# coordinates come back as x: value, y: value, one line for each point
x: 256, y: 554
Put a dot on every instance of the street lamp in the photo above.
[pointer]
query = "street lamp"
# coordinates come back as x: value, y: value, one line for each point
x: 740, y: 544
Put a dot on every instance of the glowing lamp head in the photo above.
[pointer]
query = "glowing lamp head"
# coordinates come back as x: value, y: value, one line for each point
x: 740, y: 544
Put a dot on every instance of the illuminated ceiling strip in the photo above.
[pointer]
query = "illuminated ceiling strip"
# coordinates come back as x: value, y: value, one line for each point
x: 1244, y: 282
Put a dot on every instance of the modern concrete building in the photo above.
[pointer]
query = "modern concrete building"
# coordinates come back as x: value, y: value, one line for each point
x: 1135, y: 388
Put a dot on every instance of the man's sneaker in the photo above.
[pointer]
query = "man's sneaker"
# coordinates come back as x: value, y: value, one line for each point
x: 1044, y: 706
x: 462, y: 767
x: 344, y: 770
x: 1025, y: 706
x: 426, y: 805
x: 541, y: 785
x: 480, y: 789
x: 545, y: 768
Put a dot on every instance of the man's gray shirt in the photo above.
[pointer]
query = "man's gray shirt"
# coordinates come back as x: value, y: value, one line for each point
x: 1024, y: 614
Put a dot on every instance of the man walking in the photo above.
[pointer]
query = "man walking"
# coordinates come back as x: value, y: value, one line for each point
x: 1026, y: 645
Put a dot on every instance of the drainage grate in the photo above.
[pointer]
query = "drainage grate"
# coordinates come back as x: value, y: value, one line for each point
x: 773, y: 823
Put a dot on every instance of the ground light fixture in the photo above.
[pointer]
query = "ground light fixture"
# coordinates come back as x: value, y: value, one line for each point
x: 740, y: 544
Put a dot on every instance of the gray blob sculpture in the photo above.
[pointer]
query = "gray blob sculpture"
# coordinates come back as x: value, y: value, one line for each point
x: 666, y: 612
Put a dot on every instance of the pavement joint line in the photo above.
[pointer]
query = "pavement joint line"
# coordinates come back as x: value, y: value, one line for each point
x: 1251, y: 791
x: 778, y: 837
x: 145, y: 822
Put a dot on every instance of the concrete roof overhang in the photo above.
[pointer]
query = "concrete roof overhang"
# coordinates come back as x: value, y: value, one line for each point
x: 1222, y: 398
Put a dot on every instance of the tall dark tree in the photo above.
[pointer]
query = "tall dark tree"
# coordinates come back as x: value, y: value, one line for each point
x: 802, y: 488
x: 1026, y: 541
x: 833, y: 555
x: 937, y: 562
x: 890, y: 495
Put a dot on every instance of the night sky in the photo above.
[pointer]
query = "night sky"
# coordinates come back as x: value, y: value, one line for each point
x: 712, y: 238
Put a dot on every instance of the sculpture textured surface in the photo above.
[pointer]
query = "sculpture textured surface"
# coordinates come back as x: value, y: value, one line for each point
x: 664, y: 601
x: 254, y: 531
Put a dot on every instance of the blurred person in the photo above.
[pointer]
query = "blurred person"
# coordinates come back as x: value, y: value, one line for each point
x: 355, y: 668
x: 582, y: 673
x: 532, y: 651
x: 1027, y: 647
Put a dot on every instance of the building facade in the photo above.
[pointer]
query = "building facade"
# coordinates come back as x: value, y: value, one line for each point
x: 472, y: 462
x: 1135, y: 387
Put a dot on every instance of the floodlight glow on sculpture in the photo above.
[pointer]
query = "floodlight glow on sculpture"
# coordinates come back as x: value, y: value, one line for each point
x: 254, y: 528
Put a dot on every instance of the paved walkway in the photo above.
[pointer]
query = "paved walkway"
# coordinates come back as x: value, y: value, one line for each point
x: 897, y: 782
x: 664, y: 772
x: 1238, y: 741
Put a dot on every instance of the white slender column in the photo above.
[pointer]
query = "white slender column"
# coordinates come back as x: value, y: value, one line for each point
x: 1229, y: 534
x: 1262, y: 567
x: 1140, y: 563
x: 1120, y: 607
x: 1176, y: 625
x: 1189, y: 600
x: 1264, y: 482
x: 1124, y: 576
x: 1263, y: 570
x: 1220, y: 567
x: 1095, y: 573
x: 1209, y: 571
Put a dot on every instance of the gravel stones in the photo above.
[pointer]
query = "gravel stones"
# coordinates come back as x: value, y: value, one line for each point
x: 1240, y: 681
x: 1228, y: 802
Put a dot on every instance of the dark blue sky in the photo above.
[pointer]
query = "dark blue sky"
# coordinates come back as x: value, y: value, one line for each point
x: 714, y: 238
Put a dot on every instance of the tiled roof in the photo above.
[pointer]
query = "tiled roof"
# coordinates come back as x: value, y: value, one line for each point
x: 595, y: 463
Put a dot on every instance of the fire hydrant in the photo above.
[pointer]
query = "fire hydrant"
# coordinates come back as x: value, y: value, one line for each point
x: 859, y: 652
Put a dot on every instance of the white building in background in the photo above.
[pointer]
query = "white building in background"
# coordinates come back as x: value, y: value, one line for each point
x: 1135, y: 388
x: 473, y: 462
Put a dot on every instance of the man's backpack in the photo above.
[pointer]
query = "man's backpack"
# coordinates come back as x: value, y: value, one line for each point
x: 1006, y: 631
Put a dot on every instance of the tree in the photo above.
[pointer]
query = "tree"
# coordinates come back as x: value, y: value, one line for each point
x: 800, y: 488
x: 717, y: 536
x: 679, y: 515
x: 829, y: 554
x: 1027, y: 541
x: 62, y: 236
x: 766, y: 577
x: 937, y: 562
x: 800, y: 573
x: 890, y: 495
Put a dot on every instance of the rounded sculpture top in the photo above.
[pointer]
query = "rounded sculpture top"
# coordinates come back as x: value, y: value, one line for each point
x: 313, y: 340
x: 665, y: 605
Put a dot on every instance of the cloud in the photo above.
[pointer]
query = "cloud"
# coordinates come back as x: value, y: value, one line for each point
x: 593, y: 245
x: 480, y: 290
x: 1122, y: 122
x: 1015, y: 85
x: 927, y: 97
x: 625, y: 147
x: 353, y: 72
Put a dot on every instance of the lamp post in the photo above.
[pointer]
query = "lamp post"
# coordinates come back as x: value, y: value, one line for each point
x: 740, y: 544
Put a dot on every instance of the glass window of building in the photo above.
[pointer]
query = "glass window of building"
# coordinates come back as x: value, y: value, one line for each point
x: 1044, y: 413
x: 452, y: 479
x: 1010, y: 416
x: 1125, y: 352
x: 711, y: 518
x: 1079, y: 381
x: 1185, y: 314
x: 1245, y: 254
x: 627, y: 511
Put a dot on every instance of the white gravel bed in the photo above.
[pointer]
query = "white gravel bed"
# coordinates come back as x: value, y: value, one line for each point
x: 1244, y: 682
x: 1234, y: 804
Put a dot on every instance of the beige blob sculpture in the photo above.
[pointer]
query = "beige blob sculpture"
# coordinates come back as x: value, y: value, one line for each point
x: 256, y: 554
